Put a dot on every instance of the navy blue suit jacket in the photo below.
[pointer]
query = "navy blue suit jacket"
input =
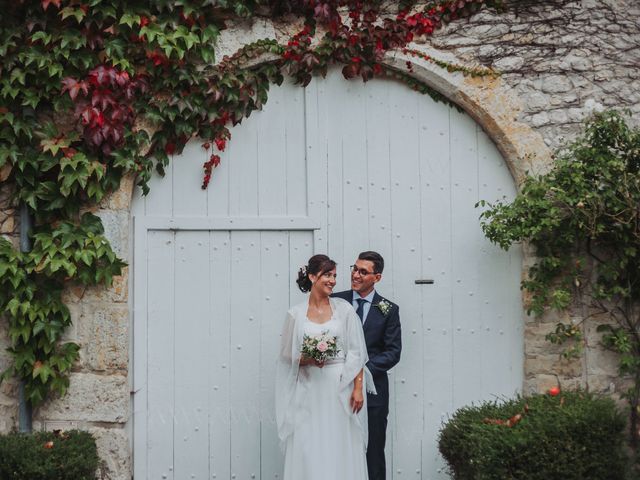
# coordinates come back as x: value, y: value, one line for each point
x: 382, y: 334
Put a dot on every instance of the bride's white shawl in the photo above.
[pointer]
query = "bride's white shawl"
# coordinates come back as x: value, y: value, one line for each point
x: 291, y: 395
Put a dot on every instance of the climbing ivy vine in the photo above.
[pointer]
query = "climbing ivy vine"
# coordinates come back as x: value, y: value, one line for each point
x: 94, y: 90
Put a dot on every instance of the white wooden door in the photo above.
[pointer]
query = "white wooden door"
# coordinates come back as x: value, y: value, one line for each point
x: 337, y: 168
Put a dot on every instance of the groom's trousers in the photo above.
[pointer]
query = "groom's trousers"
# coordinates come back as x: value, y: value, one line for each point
x: 377, y: 436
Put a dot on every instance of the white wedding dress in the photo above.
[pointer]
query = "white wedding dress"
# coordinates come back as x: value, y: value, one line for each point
x: 321, y: 436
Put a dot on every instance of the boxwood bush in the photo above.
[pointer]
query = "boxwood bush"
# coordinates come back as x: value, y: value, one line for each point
x: 569, y: 436
x: 48, y: 456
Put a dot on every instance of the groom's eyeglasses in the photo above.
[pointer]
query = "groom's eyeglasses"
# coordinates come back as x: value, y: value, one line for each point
x: 361, y: 271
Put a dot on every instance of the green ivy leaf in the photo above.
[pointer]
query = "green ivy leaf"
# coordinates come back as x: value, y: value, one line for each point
x: 129, y: 19
x: 77, y: 13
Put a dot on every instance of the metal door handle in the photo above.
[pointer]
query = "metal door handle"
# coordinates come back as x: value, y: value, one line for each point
x: 424, y: 281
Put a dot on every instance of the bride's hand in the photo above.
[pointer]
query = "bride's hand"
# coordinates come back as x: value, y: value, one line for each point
x: 304, y: 361
x: 357, y: 399
x: 310, y: 361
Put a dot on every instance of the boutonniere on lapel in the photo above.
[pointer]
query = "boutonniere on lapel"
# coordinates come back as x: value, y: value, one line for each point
x: 384, y: 307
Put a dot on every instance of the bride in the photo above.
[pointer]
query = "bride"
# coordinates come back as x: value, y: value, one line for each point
x: 320, y: 406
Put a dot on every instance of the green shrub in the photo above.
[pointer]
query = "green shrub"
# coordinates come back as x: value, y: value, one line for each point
x: 71, y: 456
x: 571, y: 436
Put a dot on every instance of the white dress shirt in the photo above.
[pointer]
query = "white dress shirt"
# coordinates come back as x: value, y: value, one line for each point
x: 367, y: 305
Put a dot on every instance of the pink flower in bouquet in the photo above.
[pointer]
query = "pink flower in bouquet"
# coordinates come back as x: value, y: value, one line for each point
x: 322, y: 346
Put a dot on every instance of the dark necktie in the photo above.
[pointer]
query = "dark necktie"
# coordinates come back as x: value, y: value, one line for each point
x: 360, y: 309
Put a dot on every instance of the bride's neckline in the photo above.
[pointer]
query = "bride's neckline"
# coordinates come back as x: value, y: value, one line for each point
x: 326, y: 321
x: 319, y: 323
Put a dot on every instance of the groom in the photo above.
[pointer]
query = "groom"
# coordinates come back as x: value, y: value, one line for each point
x: 381, y: 324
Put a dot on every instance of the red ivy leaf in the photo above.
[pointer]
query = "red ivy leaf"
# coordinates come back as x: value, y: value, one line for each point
x: 102, y: 98
x: 322, y: 10
x: 350, y: 71
x: 208, y: 166
x: 122, y: 78
x: 99, y: 119
x: 45, y: 3
x: 95, y: 136
x: 87, y: 115
x: 221, y: 143
x: 74, y: 87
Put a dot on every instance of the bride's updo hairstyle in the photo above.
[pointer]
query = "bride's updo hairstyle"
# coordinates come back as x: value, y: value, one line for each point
x: 318, y: 265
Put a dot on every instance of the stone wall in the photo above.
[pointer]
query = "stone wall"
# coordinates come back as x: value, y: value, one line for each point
x: 560, y: 60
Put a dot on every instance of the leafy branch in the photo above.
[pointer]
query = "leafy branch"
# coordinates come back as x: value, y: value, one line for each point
x: 31, y: 286
x: 583, y: 219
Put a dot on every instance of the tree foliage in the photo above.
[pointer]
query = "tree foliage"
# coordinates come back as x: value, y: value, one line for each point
x: 583, y: 219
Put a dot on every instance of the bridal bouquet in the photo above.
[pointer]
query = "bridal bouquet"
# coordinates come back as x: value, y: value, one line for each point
x: 320, y: 347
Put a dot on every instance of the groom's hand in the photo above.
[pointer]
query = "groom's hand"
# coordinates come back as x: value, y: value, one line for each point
x: 357, y: 399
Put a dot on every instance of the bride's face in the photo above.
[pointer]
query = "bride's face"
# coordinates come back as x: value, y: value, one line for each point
x: 324, y: 284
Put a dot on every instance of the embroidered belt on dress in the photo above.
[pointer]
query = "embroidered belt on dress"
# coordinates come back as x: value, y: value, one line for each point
x: 334, y: 361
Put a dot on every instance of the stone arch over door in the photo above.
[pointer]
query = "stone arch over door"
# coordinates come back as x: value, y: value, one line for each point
x: 275, y: 200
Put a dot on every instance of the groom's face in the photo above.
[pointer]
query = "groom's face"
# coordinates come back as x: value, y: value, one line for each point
x: 363, y: 277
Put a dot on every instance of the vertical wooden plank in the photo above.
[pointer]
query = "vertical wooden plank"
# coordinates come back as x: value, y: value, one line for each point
x: 274, y: 296
x: 436, y: 224
x: 501, y: 308
x: 515, y: 315
x: 191, y: 344
x: 492, y: 263
x: 315, y: 125
x: 244, y: 356
x: 218, y: 189
x: 355, y: 183
x: 243, y: 165
x: 295, y: 148
x: 467, y: 360
x: 271, y: 151
x: 139, y: 341
x: 220, y: 382
x: 159, y: 201
x: 405, y: 268
x: 379, y: 169
x: 334, y: 96
x: 191, y: 200
x: 378, y: 230
x: 160, y: 325
x: 137, y: 203
x: 301, y: 248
